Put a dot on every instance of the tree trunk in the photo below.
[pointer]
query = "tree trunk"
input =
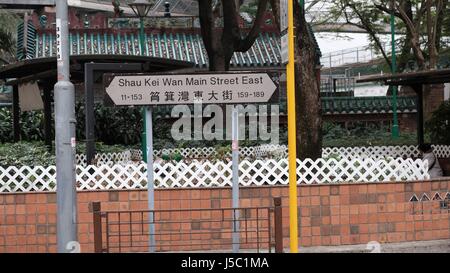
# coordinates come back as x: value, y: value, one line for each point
x: 308, y: 105
x: 405, y: 53
x: 218, y: 61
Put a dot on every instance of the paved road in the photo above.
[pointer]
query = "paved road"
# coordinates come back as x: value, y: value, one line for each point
x: 436, y: 246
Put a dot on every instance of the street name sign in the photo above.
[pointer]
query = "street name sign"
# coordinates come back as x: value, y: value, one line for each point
x: 207, y: 88
x: 283, y: 15
x: 284, y: 31
x: 284, y: 49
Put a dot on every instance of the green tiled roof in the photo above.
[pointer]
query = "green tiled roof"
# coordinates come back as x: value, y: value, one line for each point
x: 178, y: 45
x: 367, y: 105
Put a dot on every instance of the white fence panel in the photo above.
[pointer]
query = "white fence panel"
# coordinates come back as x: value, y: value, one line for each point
x: 194, y: 174
x: 268, y: 151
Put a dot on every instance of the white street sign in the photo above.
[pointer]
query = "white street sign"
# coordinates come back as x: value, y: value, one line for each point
x: 190, y: 88
x: 284, y: 49
x: 58, y: 40
x: 283, y: 15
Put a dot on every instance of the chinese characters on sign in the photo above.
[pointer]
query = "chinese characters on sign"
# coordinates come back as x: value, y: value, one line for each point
x: 58, y: 40
x: 284, y: 31
x: 189, y: 89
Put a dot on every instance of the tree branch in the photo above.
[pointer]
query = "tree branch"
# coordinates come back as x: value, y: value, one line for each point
x: 246, y: 43
x: 275, y: 4
x: 387, y: 10
x: 415, y: 41
x: 231, y: 30
x: 207, y: 24
x: 370, y: 30
x: 439, y: 24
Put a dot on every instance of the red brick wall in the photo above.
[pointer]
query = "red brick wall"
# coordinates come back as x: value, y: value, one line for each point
x: 407, y: 122
x: 433, y: 98
x: 328, y: 214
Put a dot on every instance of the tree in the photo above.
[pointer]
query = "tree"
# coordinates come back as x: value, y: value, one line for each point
x: 307, y: 96
x: 221, y: 33
x: 421, y: 20
x: 8, y: 24
x: 222, y: 42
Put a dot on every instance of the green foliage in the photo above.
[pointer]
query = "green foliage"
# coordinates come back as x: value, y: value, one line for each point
x: 25, y: 153
x: 113, y: 125
x: 172, y: 157
x: 222, y: 151
x: 37, y: 154
x: 335, y: 135
x: 6, y: 133
x: 332, y: 131
x: 439, y: 124
x: 103, y: 148
x: 8, y: 25
x: 31, y: 123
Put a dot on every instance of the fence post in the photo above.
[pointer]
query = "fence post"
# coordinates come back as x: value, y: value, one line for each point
x: 96, y: 212
x: 278, y: 225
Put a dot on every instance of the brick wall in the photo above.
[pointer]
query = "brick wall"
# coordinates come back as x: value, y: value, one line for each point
x: 407, y: 122
x: 328, y: 214
x: 432, y: 99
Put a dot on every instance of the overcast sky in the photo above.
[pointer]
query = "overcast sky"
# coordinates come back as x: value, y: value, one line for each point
x: 329, y: 42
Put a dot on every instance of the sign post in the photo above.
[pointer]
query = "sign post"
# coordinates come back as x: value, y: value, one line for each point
x: 66, y: 195
x: 172, y: 89
x: 287, y: 22
x: 235, y: 171
x: 150, y: 180
x: 395, y: 128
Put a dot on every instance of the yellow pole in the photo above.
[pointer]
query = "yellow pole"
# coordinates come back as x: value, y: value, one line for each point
x: 290, y: 76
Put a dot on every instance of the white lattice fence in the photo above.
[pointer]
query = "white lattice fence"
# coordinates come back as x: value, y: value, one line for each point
x: 106, y: 158
x: 441, y: 151
x: 371, y: 151
x: 270, y: 151
x: 209, y: 174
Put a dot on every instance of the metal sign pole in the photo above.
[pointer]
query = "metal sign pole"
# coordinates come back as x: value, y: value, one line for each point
x: 150, y: 182
x: 235, y: 173
x: 238, y: 88
x: 65, y: 137
x: 395, y: 128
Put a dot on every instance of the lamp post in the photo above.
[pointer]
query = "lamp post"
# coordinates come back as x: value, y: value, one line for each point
x: 395, y: 128
x: 141, y: 8
x: 65, y: 121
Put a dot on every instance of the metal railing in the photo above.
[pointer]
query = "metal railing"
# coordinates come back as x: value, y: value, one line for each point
x: 337, y: 86
x: 260, y: 229
x: 353, y: 55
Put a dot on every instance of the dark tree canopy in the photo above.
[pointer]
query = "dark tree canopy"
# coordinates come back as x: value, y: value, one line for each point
x: 221, y: 32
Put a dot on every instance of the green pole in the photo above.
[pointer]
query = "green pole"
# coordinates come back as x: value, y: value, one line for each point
x: 395, y: 128
x: 142, y: 50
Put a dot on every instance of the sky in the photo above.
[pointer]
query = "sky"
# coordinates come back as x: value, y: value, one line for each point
x: 329, y: 42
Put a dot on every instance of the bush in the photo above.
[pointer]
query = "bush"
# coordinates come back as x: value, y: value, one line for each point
x: 335, y: 135
x: 31, y: 125
x: 6, y: 133
x: 113, y: 125
x: 103, y: 148
x: 439, y: 124
x: 25, y: 153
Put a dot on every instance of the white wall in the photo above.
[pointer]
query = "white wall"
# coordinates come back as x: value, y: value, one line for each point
x: 370, y: 90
